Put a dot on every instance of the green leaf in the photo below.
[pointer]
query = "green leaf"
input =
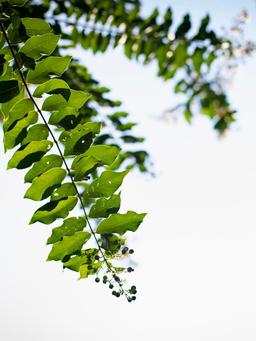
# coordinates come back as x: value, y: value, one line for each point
x: 7, y: 106
x: 103, y: 153
x: 35, y: 26
x: 198, y: 58
x: 17, y: 2
x: 104, y: 207
x: 89, y: 269
x: 43, y: 185
x: 121, y: 223
x: 53, y: 210
x: 78, y: 98
x: 50, y: 87
x: 84, y: 166
x: 83, y: 270
x: 68, y: 245
x: 50, y: 65
x: 65, y: 190
x: 126, y: 126
x: 15, y: 135
x: 17, y: 111
x: 87, y: 257
x: 47, y: 162
x: 184, y: 27
x: 38, y: 132
x: 69, y: 227
x: 54, y: 102
x: 111, y: 243
x: 80, y: 138
x: 26, y: 155
x: 37, y: 46
x: 132, y: 139
x: 66, y: 117
x: 8, y: 90
x: 106, y: 184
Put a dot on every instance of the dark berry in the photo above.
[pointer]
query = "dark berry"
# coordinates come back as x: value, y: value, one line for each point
x: 97, y: 257
x: 116, y: 278
x: 125, y: 250
x: 130, y: 269
x: 105, y: 278
x: 97, y: 280
x: 131, y: 251
x: 118, y: 294
x: 111, y: 286
x: 133, y: 298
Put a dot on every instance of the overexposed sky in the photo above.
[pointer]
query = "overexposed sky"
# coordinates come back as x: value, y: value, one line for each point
x: 196, y: 250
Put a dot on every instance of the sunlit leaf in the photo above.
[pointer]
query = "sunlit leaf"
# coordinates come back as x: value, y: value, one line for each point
x: 69, y: 227
x: 47, y: 162
x: 65, y: 190
x: 103, y: 153
x: 15, y: 135
x: 84, y: 166
x: 26, y: 155
x: 43, y: 185
x: 37, y: 132
x: 53, y: 210
x: 80, y: 138
x: 46, y: 67
x: 17, y: 111
x: 106, y: 184
x: 68, y: 245
x: 104, y: 207
x: 51, y: 86
x: 87, y: 257
x: 35, y: 26
x: 121, y: 223
x: 37, y: 46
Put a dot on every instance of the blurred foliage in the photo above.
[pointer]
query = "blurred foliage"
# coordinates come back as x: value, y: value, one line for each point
x: 189, y: 56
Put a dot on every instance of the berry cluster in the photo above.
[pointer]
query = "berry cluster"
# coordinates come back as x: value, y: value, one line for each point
x: 126, y: 250
x: 111, y: 280
x: 115, y: 283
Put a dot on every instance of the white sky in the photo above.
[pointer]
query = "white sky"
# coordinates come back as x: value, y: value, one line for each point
x: 196, y: 250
